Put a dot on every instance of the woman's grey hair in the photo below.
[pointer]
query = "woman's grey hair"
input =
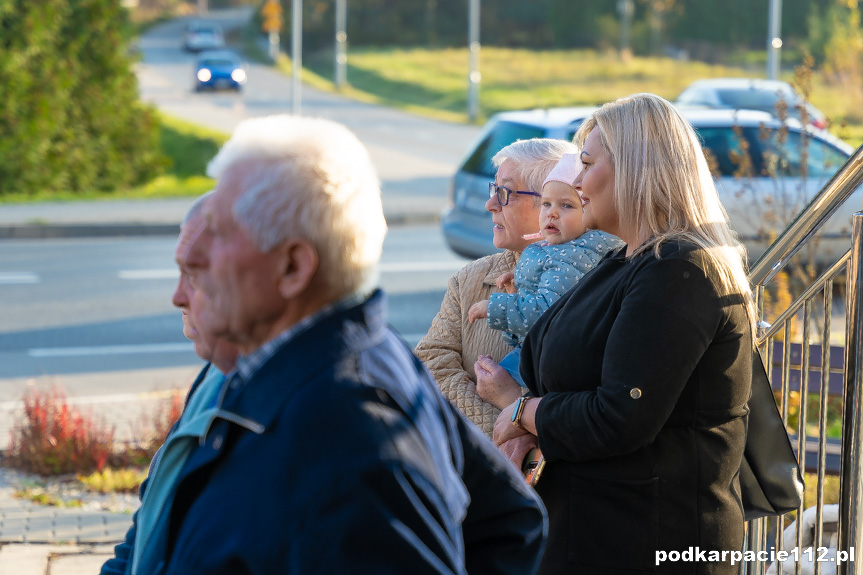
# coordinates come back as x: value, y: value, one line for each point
x: 533, y: 159
x: 313, y: 179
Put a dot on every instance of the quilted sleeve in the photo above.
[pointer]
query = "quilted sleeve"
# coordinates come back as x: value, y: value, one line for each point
x: 441, y: 350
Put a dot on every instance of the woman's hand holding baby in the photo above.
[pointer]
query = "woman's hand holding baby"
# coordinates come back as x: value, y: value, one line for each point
x: 494, y: 384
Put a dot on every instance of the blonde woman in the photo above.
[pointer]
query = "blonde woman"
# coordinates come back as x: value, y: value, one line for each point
x: 641, y: 373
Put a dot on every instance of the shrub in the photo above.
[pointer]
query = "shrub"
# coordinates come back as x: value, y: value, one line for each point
x: 71, y: 119
x: 55, y: 438
x: 149, y: 434
x: 114, y: 480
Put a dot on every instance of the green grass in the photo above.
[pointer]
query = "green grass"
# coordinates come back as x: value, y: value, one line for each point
x: 432, y: 82
x: 187, y: 148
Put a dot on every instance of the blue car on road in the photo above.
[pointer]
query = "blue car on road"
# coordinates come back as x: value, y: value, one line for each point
x: 219, y: 69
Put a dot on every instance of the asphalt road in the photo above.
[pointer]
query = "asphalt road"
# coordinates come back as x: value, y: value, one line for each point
x: 92, y: 305
x: 83, y: 310
x: 415, y: 157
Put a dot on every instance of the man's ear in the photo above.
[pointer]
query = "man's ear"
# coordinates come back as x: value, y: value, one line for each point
x: 300, y: 264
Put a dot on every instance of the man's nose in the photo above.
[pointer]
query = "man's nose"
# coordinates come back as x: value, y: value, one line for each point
x: 181, y: 298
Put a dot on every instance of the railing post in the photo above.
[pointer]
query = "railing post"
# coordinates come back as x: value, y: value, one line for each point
x: 851, y: 483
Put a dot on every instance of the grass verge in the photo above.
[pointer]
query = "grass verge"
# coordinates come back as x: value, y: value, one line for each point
x: 432, y: 82
x: 187, y: 148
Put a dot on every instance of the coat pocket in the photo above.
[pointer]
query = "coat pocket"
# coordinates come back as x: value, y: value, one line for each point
x: 613, y: 522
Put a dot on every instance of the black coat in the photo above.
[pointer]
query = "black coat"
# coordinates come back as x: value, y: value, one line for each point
x: 645, y: 374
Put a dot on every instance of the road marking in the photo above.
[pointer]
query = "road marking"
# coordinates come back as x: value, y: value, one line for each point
x: 163, y: 274
x: 7, y: 278
x: 396, y: 267
x: 110, y: 349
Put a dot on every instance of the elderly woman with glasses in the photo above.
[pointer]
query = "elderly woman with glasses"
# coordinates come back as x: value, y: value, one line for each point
x: 452, y: 345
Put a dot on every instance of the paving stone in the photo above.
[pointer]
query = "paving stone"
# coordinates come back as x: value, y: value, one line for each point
x: 24, y: 559
x: 87, y: 563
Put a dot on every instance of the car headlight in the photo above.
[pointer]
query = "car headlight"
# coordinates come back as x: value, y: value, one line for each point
x: 239, y: 75
x: 204, y: 75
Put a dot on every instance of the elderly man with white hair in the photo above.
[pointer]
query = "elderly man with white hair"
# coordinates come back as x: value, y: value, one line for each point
x: 149, y: 524
x: 329, y: 449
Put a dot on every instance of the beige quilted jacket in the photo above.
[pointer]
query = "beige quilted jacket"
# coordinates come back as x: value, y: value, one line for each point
x: 452, y: 344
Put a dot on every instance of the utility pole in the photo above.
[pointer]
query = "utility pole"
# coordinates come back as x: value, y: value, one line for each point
x: 474, y: 76
x: 626, y: 8
x: 341, y: 43
x: 272, y: 13
x: 296, y: 56
x: 202, y: 7
x: 774, y: 41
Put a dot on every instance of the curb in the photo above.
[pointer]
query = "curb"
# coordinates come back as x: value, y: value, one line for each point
x: 56, y: 231
x: 47, y: 231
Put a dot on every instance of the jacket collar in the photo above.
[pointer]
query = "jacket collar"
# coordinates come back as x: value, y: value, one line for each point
x: 319, y: 347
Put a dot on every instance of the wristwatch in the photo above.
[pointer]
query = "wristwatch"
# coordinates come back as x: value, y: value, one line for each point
x: 518, y: 411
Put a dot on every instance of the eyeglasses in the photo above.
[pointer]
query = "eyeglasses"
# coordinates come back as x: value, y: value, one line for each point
x: 503, y: 193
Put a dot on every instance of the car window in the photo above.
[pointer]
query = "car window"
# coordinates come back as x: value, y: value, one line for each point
x: 724, y: 148
x: 764, y: 100
x: 501, y: 135
x: 787, y: 157
x: 217, y: 63
x: 824, y: 159
x: 749, y: 152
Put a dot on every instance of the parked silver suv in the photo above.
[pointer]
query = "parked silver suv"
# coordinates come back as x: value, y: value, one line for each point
x: 764, y: 177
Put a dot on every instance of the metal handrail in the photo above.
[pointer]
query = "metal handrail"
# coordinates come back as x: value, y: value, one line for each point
x: 840, y: 187
x: 851, y: 471
x: 811, y: 218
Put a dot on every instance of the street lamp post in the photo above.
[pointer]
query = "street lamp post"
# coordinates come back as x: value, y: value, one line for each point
x: 774, y: 41
x: 296, y: 56
x: 626, y: 8
x: 272, y: 24
x: 474, y: 76
x: 341, y: 43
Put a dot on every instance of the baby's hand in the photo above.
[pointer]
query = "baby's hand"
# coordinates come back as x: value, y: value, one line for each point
x: 478, y: 310
x: 505, y: 282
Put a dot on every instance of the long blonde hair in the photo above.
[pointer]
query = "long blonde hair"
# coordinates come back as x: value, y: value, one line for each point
x: 663, y: 188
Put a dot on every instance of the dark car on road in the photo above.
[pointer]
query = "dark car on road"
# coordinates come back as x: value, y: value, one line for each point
x: 219, y: 69
x: 201, y: 36
x: 763, y: 177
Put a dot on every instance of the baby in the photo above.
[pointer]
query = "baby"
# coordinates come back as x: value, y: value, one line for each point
x: 546, y: 270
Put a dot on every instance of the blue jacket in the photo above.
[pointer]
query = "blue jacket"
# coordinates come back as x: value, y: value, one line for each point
x: 340, y: 456
x: 543, y: 274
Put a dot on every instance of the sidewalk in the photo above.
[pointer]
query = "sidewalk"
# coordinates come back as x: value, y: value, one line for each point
x: 40, y: 539
x: 106, y: 218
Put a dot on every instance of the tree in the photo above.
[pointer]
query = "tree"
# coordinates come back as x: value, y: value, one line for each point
x: 71, y: 118
x: 843, y: 49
